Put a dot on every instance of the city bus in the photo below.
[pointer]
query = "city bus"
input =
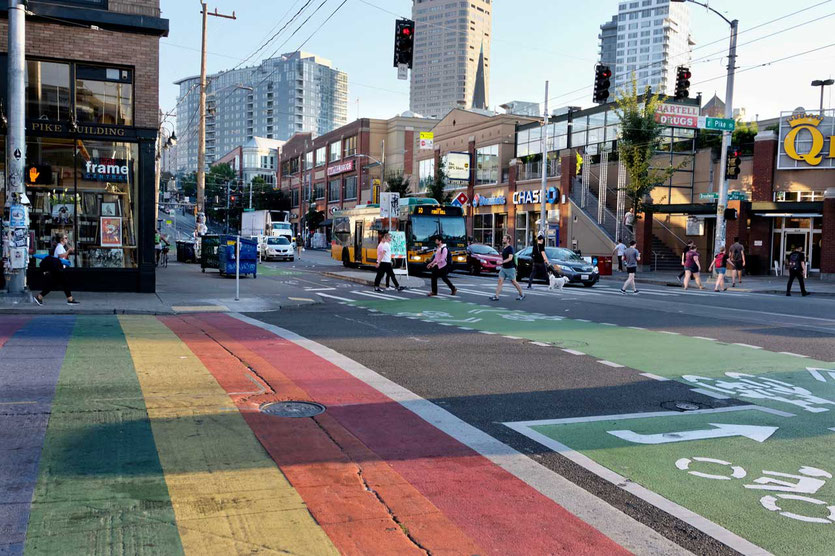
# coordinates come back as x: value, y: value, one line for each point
x: 357, y: 231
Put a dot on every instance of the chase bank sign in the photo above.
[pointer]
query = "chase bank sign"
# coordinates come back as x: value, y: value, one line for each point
x: 807, y: 140
x: 534, y: 197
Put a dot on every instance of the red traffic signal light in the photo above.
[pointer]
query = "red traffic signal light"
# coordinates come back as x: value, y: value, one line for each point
x: 683, y: 76
x: 404, y: 37
x: 602, y: 74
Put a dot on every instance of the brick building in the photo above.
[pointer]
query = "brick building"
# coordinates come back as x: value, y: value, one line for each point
x: 344, y: 168
x: 92, y: 118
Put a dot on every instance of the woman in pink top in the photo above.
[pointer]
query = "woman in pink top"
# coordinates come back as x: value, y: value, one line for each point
x: 440, y: 268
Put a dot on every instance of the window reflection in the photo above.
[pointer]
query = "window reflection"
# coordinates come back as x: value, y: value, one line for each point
x: 47, y: 90
x: 104, y: 95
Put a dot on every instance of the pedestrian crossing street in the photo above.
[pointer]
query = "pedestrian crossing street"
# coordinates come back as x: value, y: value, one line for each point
x: 482, y: 289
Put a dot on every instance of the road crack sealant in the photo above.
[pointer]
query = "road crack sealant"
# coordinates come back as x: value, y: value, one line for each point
x: 368, y: 488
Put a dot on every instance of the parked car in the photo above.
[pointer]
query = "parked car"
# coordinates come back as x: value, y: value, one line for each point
x: 278, y: 248
x: 482, y: 258
x: 573, y: 267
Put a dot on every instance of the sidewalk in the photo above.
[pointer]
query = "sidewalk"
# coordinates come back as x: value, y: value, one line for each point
x: 756, y: 284
x: 181, y: 288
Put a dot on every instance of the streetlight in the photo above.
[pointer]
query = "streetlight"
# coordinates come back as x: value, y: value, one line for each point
x: 722, y: 202
x: 822, y: 83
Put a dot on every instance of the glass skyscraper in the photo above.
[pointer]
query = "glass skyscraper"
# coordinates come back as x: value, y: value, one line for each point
x: 293, y: 93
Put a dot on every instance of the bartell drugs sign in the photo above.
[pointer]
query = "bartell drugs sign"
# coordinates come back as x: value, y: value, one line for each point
x: 678, y: 115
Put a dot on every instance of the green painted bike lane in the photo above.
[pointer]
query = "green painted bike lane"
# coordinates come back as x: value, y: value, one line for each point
x: 764, y: 473
x: 100, y: 487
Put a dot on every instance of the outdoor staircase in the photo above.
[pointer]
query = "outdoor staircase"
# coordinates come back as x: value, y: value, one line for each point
x: 662, y: 258
x: 609, y: 224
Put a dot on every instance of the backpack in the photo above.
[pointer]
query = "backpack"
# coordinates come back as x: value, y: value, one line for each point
x: 795, y: 260
x: 448, y: 257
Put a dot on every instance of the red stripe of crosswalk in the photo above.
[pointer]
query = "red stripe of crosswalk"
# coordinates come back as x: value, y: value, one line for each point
x: 363, y: 505
x: 489, y: 504
x: 9, y: 325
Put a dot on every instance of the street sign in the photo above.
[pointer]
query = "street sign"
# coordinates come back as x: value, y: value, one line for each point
x: 402, y: 72
x: 460, y: 200
x: 427, y: 140
x: 249, y: 210
x: 713, y: 196
x: 720, y: 124
x: 732, y: 196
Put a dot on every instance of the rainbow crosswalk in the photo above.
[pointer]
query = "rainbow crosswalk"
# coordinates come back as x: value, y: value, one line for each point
x: 142, y: 435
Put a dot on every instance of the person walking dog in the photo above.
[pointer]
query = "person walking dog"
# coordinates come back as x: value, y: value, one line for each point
x: 440, y: 266
x: 539, y: 260
x: 508, y: 270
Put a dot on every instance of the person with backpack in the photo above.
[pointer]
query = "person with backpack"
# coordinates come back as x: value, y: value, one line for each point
x: 737, y: 258
x: 683, y: 255
x: 508, y: 269
x: 539, y: 260
x: 440, y: 266
x: 54, y: 271
x: 719, y: 262
x: 384, y: 267
x: 631, y: 257
x: 797, y: 269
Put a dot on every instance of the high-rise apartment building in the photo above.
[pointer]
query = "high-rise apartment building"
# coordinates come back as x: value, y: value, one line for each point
x: 293, y: 93
x: 647, y: 38
x: 451, y: 67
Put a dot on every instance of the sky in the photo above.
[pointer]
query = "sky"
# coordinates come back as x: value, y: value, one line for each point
x: 533, y: 41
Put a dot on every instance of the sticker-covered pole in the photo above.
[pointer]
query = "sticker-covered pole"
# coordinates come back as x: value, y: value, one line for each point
x: 16, y: 145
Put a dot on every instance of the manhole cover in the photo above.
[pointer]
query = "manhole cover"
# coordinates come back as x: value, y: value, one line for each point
x: 684, y: 406
x: 293, y: 409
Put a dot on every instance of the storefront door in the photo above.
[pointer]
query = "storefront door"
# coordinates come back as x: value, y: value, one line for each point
x: 794, y: 238
x: 801, y: 232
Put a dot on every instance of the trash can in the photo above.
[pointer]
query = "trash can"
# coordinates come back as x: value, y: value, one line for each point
x: 185, y: 252
x: 603, y: 264
x: 208, y: 251
x: 226, y: 256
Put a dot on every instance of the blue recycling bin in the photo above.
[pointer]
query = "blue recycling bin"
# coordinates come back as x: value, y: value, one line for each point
x: 226, y: 256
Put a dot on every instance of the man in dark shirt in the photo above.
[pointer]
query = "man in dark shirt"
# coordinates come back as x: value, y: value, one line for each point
x: 737, y: 258
x: 539, y: 259
x: 508, y: 270
x: 797, y: 269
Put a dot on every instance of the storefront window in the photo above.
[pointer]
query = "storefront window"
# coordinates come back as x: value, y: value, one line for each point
x: 426, y: 174
x: 351, y: 187
x: 333, y: 190
x: 47, y: 90
x: 487, y: 165
x: 87, y: 191
x: 104, y: 95
x: 320, y: 191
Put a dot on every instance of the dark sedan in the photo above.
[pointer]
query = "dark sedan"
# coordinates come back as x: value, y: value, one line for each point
x: 482, y: 258
x: 573, y: 267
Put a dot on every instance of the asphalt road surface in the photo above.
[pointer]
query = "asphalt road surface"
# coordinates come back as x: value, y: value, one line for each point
x: 707, y: 417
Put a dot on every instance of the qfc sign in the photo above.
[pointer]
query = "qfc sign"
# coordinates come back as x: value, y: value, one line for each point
x: 807, y: 141
x: 534, y: 197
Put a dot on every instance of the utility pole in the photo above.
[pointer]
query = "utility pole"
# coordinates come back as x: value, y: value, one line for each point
x: 227, y: 207
x: 16, y: 145
x: 543, y: 223
x: 201, y: 130
x: 722, y: 202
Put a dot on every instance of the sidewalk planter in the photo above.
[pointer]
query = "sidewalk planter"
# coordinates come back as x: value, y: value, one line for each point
x: 226, y: 256
x: 208, y: 251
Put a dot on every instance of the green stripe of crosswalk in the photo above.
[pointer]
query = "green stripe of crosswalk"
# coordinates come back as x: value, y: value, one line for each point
x: 100, y: 486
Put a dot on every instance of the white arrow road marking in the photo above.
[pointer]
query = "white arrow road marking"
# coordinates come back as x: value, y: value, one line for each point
x: 758, y: 433
x: 816, y: 373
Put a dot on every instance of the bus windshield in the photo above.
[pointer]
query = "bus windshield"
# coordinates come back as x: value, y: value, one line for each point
x: 451, y: 228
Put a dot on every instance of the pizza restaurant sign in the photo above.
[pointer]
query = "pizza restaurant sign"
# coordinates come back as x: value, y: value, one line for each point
x: 807, y: 141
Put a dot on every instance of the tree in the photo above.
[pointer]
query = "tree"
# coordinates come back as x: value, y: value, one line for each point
x: 313, y: 218
x: 639, y: 138
x: 397, y: 183
x: 267, y: 197
x: 743, y: 137
x: 436, y: 189
x: 189, y: 184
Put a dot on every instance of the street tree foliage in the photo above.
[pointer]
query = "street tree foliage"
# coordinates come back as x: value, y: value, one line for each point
x: 436, y: 186
x: 638, y: 141
x: 397, y: 183
x: 743, y: 138
x: 313, y: 218
x: 266, y: 196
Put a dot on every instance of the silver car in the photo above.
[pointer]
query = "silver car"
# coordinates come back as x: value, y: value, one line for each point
x: 278, y: 248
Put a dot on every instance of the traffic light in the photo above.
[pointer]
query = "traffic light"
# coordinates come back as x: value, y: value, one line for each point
x: 602, y: 75
x: 734, y: 161
x: 404, y: 41
x: 682, y: 83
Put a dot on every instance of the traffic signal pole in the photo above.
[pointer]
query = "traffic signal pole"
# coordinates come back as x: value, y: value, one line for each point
x: 722, y: 202
x: 16, y: 140
x: 543, y: 224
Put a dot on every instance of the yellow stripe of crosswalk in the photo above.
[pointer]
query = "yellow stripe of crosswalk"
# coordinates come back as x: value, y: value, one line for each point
x: 228, y: 495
